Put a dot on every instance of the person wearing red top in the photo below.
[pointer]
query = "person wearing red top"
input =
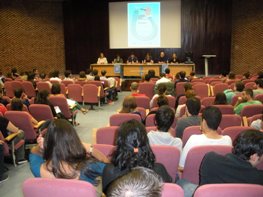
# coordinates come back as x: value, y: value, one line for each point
x: 134, y: 89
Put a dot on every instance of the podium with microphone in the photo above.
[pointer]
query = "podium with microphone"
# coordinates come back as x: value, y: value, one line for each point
x: 206, y: 62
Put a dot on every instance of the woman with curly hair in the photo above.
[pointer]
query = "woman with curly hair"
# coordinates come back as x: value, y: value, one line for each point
x: 132, y: 150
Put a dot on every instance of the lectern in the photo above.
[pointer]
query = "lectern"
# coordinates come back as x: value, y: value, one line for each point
x: 206, y: 62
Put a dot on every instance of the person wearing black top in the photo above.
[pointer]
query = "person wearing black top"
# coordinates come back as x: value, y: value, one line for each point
x: 162, y: 59
x: 132, y: 150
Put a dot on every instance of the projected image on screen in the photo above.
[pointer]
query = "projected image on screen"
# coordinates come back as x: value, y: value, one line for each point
x: 144, y: 24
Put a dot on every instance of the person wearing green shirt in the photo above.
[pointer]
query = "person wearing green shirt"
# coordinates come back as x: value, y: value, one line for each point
x: 244, y: 100
x: 238, y: 89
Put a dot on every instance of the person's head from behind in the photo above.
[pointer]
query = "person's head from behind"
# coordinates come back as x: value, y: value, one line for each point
x: 220, y: 99
x: 260, y: 74
x: 96, y: 78
x: 132, y: 147
x: 192, y: 74
x: 63, y: 146
x: 147, y: 77
x: 151, y: 73
x: 67, y: 73
x: 211, y: 118
x: 95, y: 72
x: 248, y: 146
x: 139, y: 182
x: 128, y: 104
x: 164, y: 118
x: 42, y: 97
x: 18, y: 92
x: 193, y: 106
x: 246, y: 75
x: 188, y: 86
x: 162, y: 100
x: 55, y: 89
x: 14, y: 70
x: 134, y: 87
x: 16, y: 104
x: 231, y: 75
x: 167, y: 71
x: 55, y: 73
x: 161, y: 89
x: 182, y: 74
x: 259, y: 83
x: 42, y: 75
x: 103, y: 72
x: 82, y: 74
x: 239, y: 86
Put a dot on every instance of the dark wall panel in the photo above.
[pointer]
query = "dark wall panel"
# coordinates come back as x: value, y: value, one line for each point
x: 206, y: 29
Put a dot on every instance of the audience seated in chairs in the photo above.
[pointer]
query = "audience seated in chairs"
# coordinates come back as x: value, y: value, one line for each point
x: 42, y: 98
x: 192, y: 109
x: 244, y: 100
x: 257, y: 124
x: 259, y: 89
x: 139, y: 181
x: 220, y: 99
x: 238, y: 89
x: 129, y: 106
x: 61, y: 154
x: 134, y: 89
x: 161, y: 91
x: 132, y: 150
x: 19, y: 93
x: 164, y: 119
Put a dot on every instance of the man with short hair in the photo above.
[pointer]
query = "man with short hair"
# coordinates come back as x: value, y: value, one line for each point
x: 259, y: 89
x: 238, y: 166
x: 246, y: 99
x: 193, y: 106
x: 164, y: 119
x: 139, y: 181
x: 134, y: 89
x: 238, y: 89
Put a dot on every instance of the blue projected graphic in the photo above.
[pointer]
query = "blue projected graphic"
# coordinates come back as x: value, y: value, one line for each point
x: 144, y: 24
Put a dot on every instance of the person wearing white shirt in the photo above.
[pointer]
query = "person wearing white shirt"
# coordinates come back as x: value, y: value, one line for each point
x: 164, y: 119
x: 211, y: 118
x: 163, y: 80
x: 102, y: 59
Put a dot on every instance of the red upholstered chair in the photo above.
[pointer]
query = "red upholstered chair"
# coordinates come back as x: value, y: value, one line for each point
x: 214, y: 81
x: 234, y: 131
x: 170, y: 162
x: 118, y: 83
x: 142, y: 111
x: 229, y: 190
x: 220, y: 87
x: 259, y: 97
x: 16, y: 84
x: 225, y: 109
x: 172, y: 190
x: 91, y: 94
x: 235, y: 98
x: 118, y: 119
x: 100, y: 86
x: 29, y: 89
x: 80, y: 82
x: 42, y: 187
x: 106, y: 135
x: 207, y: 101
x: 171, y: 101
x: 182, y: 100
x: 42, y: 85
x: 245, y: 81
x: 61, y: 102
x: 229, y: 120
x: 251, y: 85
x: 8, y: 107
x: 63, y: 89
x: 106, y: 149
x: 67, y: 82
x: 9, y: 89
x: 250, y: 110
x: 201, y: 90
x: 190, y: 131
x: 22, y: 120
x: 146, y: 88
x: 75, y: 92
x: 253, y: 118
x: 151, y: 128
x: 195, y: 157
x: 143, y: 101
x: 179, y: 88
x: 41, y: 112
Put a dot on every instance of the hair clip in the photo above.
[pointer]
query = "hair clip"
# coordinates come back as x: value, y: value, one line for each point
x: 135, y: 150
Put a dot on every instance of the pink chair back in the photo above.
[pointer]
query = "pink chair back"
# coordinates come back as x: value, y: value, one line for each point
x: 61, y: 102
x: 251, y: 85
x: 42, y: 187
x: 207, y: 101
x: 41, y: 112
x: 106, y: 149
x: 215, y: 81
x: 147, y: 89
x: 229, y: 190
x: 9, y: 89
x: 201, y: 90
x: 118, y: 119
x: 106, y: 135
x: 225, y: 109
x: 42, y: 85
x: 98, y: 84
x: 229, y: 120
x: 142, y: 111
x: 143, y: 101
x: 182, y: 100
x: 22, y: 120
x: 75, y: 92
x: 253, y: 118
x: 67, y: 82
x: 80, y: 82
x: 172, y: 190
x: 234, y: 131
x: 195, y: 157
x: 90, y: 93
x: 29, y: 89
x: 251, y: 110
x: 259, y: 97
x: 188, y: 131
x: 180, y: 88
x: 171, y: 163
x: 220, y: 87
x: 8, y: 107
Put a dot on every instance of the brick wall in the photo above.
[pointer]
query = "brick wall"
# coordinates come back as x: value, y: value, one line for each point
x: 247, y: 36
x: 31, y: 35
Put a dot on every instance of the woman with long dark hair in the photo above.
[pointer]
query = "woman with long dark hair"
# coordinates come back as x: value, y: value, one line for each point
x: 132, y: 150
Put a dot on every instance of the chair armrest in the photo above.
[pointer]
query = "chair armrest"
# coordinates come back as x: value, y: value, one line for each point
x: 11, y: 136
x: 99, y: 88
